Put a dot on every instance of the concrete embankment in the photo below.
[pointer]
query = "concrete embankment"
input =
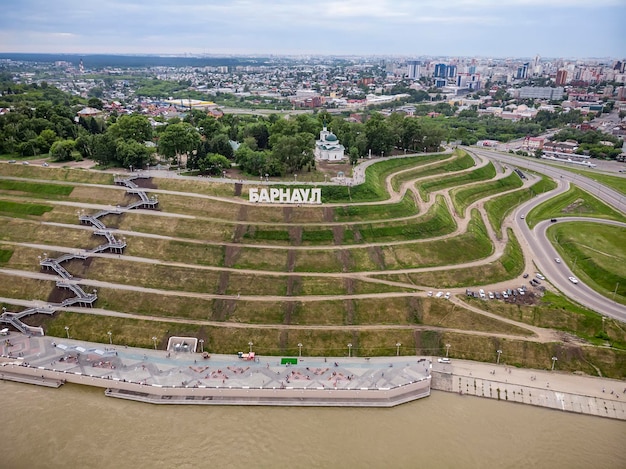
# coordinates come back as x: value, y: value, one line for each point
x: 587, y: 395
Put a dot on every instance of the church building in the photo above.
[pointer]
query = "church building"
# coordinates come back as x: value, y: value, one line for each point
x: 328, y: 148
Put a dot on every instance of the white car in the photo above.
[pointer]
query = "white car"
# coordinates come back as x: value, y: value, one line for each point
x: 439, y: 294
x: 444, y: 360
x: 522, y: 216
x: 447, y: 297
x: 482, y: 293
x: 490, y: 295
x: 573, y: 279
x: 505, y: 295
x: 539, y: 276
x: 430, y: 293
x: 557, y: 260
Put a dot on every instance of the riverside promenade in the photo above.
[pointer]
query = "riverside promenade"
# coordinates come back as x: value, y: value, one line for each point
x: 569, y: 392
x: 170, y: 377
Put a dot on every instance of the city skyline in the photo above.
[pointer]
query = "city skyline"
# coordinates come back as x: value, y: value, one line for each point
x: 521, y: 28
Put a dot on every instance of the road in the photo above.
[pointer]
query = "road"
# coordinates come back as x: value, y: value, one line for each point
x: 543, y: 253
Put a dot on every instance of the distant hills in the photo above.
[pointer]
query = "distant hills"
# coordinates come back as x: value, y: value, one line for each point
x: 105, y: 60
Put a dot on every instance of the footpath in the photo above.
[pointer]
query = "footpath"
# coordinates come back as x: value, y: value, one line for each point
x: 602, y: 397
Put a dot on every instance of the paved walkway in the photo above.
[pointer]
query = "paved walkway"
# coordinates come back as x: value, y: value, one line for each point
x: 184, y: 373
x: 569, y: 392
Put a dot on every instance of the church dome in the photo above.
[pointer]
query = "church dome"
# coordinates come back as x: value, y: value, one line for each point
x: 331, y: 138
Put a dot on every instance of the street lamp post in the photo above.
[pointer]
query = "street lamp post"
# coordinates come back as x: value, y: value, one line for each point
x: 299, y: 349
x: 110, y: 338
x: 250, y: 344
x: 154, y: 339
x: 67, y: 331
x: 499, y: 352
x: 447, y: 350
x: 201, y: 345
x: 398, y: 344
x: 295, y: 177
x: 554, y: 359
x: 349, y: 350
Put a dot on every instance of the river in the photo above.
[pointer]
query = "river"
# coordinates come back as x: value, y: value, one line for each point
x: 77, y: 426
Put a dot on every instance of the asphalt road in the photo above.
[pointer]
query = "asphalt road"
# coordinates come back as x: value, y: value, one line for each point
x: 544, y: 252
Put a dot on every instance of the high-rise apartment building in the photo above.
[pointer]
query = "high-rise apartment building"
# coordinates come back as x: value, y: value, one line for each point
x: 440, y: 71
x: 561, y: 77
x: 414, y: 69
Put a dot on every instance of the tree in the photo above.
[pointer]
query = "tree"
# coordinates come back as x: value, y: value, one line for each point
x: 95, y: 103
x: 131, y: 153
x: 134, y: 127
x: 178, y: 139
x: 213, y: 164
x: 295, y: 152
x: 379, y: 137
x: 61, y: 150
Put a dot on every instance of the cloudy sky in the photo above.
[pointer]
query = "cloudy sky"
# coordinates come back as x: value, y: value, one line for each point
x: 521, y: 28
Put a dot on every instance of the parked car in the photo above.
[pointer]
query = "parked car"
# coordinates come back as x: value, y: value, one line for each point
x: 482, y: 293
x: 447, y: 297
x: 490, y: 295
x: 444, y: 360
x: 439, y: 294
x: 430, y: 293
x: 505, y: 295
x: 525, y: 275
x: 539, y: 276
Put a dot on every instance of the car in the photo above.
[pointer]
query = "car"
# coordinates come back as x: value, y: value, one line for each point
x: 12, y: 161
x: 430, y: 293
x: 557, y: 260
x: 497, y: 295
x: 482, y: 293
x: 444, y: 360
x: 522, y: 216
x: 539, y: 276
x: 45, y: 165
x: 573, y: 279
x: 439, y: 294
x: 447, y: 297
x: 552, y: 220
x: 25, y: 163
x: 525, y: 275
x: 490, y: 295
x: 505, y: 295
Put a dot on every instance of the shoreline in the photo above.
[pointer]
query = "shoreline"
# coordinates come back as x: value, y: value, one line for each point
x: 162, y: 377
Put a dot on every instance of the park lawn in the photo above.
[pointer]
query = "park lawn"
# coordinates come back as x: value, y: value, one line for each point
x: 55, y: 174
x: 456, y: 161
x: 318, y: 261
x: 205, y: 187
x: 321, y: 286
x: 261, y: 259
x: 191, y: 228
x: 102, y: 195
x: 425, y: 188
x: 574, y: 202
x: 26, y: 288
x: 200, y: 207
x: 35, y: 189
x: 10, y: 208
x: 596, y: 253
x: 472, y: 245
x: 557, y: 312
x: 323, y: 312
x: 510, y: 265
x: 354, y: 213
x: 465, y: 196
x: 499, y: 207
x: 256, y: 284
x: 27, y: 231
x: 176, y: 278
x: 520, y: 353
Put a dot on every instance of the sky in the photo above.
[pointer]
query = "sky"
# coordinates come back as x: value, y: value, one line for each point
x: 484, y: 28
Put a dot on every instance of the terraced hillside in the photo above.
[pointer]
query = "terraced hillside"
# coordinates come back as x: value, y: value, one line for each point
x: 358, y: 269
